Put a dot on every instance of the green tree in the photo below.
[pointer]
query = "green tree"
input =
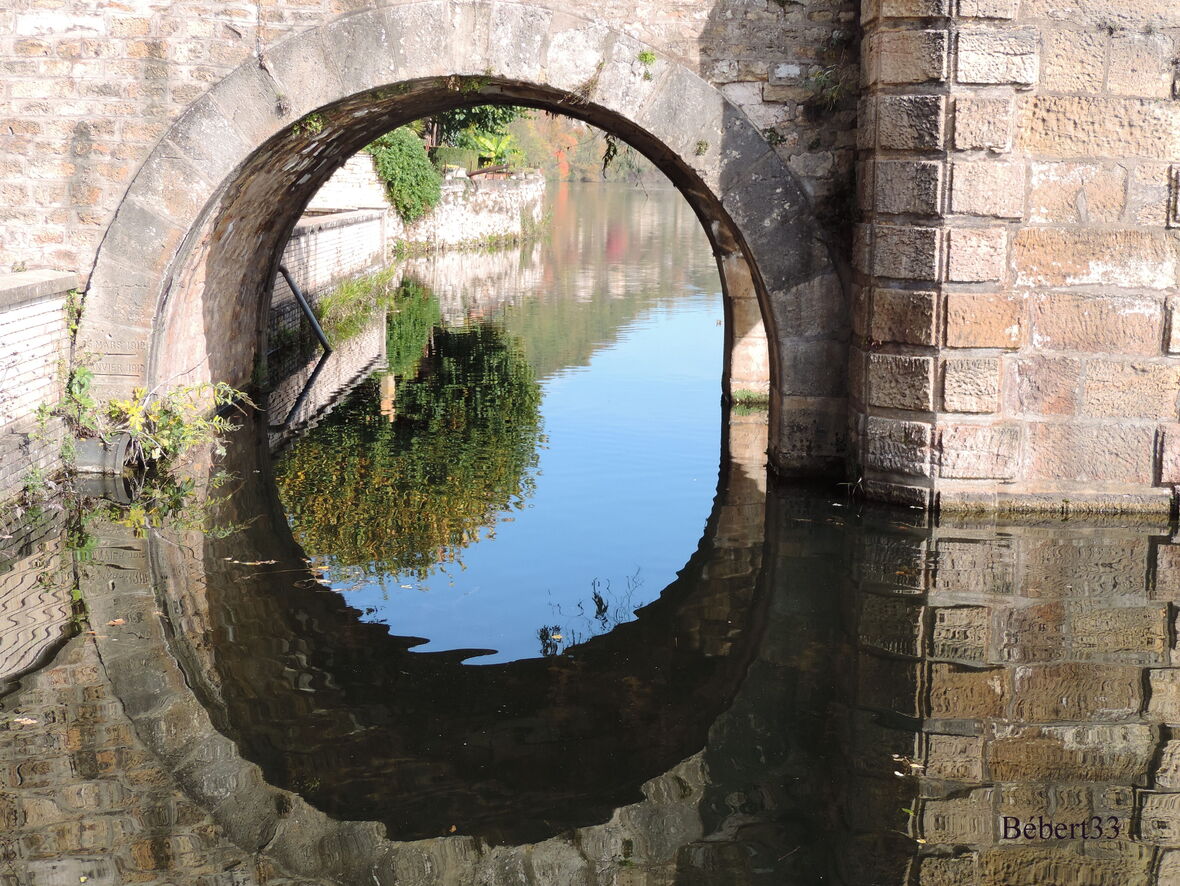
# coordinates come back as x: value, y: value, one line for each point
x: 392, y: 495
x: 412, y: 184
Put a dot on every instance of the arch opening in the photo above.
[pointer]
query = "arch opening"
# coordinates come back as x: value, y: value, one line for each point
x: 222, y: 192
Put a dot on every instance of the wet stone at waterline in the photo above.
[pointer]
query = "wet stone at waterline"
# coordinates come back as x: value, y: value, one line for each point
x: 695, y: 677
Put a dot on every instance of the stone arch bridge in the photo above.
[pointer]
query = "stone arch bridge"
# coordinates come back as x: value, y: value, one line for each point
x: 953, y: 221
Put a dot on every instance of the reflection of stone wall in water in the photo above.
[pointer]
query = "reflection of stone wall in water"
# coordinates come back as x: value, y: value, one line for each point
x: 351, y: 362
x: 471, y: 285
x: 34, y: 597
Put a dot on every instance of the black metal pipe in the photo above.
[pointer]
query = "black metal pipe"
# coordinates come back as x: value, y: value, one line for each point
x: 307, y: 312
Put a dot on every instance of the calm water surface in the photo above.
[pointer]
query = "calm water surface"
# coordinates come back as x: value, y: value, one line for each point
x: 774, y: 685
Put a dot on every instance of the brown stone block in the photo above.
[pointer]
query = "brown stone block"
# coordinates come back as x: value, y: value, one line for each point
x: 976, y: 255
x: 960, y: 820
x: 1086, y: 566
x: 971, y: 385
x: 1124, y: 634
x: 897, y: 447
x: 1050, y: 257
x: 908, y: 187
x: 1068, y: 863
x: 1076, y: 691
x: 1067, y: 322
x: 1163, y: 706
x: 998, y: 56
x: 1159, y: 818
x: 901, y: 382
x: 1005, y: 9
x: 1134, y: 389
x: 1073, y: 61
x: 1112, y: 453
x: 961, y: 870
x: 988, y: 188
x: 961, y: 633
x: 1099, y: 752
x: 910, y: 56
x: 984, y: 320
x: 1083, y: 127
x: 978, y: 452
x: 1077, y: 193
x: 1032, y: 633
x: 906, y: 252
x: 965, y: 693
x: 1142, y: 65
x: 1153, y: 195
x: 911, y: 122
x: 954, y: 757
x: 904, y: 316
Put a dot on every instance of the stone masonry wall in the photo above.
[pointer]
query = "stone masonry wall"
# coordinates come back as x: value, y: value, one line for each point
x: 34, y: 352
x: 87, y: 89
x: 1014, y: 330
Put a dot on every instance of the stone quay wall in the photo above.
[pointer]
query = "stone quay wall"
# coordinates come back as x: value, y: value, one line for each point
x: 34, y: 356
x: 1015, y: 333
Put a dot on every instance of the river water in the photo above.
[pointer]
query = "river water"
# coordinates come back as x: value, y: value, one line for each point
x: 512, y: 602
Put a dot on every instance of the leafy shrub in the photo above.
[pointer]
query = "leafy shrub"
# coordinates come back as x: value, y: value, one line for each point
x: 412, y: 184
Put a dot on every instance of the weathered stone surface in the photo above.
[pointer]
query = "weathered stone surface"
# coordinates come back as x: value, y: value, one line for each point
x: 901, y: 447
x: 977, y: 255
x: 1021, y: 866
x: 1132, y: 259
x: 1075, y: 691
x: 908, y: 187
x: 911, y: 56
x: 1164, y: 703
x: 911, y: 122
x: 976, y: 452
x: 1005, y: 9
x: 984, y: 122
x: 1073, y: 61
x: 1069, y: 126
x: 958, y: 692
x: 960, y: 633
x: 1007, y: 56
x: 1069, y: 753
x: 1077, y: 193
x: 971, y: 385
x: 983, y: 320
x: 901, y: 382
x: 1159, y: 818
x: 1102, y: 453
x: 904, y: 316
x: 1131, y: 388
x: 906, y: 252
x: 1069, y: 322
x: 892, y: 624
x: 958, y: 871
x: 1042, y: 385
x: 962, y: 820
x: 888, y: 684
x: 1142, y: 65
x: 988, y: 188
x: 954, y: 757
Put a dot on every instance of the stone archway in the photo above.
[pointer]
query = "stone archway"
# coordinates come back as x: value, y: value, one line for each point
x: 177, y: 293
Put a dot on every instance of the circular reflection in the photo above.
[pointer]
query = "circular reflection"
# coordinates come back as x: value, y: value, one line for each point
x: 350, y: 717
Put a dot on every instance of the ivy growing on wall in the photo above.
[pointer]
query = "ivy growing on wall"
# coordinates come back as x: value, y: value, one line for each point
x: 412, y: 184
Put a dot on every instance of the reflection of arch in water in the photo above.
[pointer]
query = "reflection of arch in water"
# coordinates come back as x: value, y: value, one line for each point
x: 346, y: 715
x: 177, y: 711
x: 249, y: 164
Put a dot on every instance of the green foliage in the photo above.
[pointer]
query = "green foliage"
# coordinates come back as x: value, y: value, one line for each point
x: 647, y: 58
x: 702, y: 148
x: 454, y: 126
x: 73, y: 311
x: 79, y: 408
x: 412, y: 316
x: 165, y: 427
x: 412, y: 184
x: 311, y: 124
x: 447, y: 155
x: 352, y: 306
x: 495, y: 148
x: 420, y: 486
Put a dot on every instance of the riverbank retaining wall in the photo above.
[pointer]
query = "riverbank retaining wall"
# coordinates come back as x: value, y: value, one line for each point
x: 34, y: 355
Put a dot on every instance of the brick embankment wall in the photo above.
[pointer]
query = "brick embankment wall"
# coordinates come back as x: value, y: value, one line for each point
x: 34, y: 353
